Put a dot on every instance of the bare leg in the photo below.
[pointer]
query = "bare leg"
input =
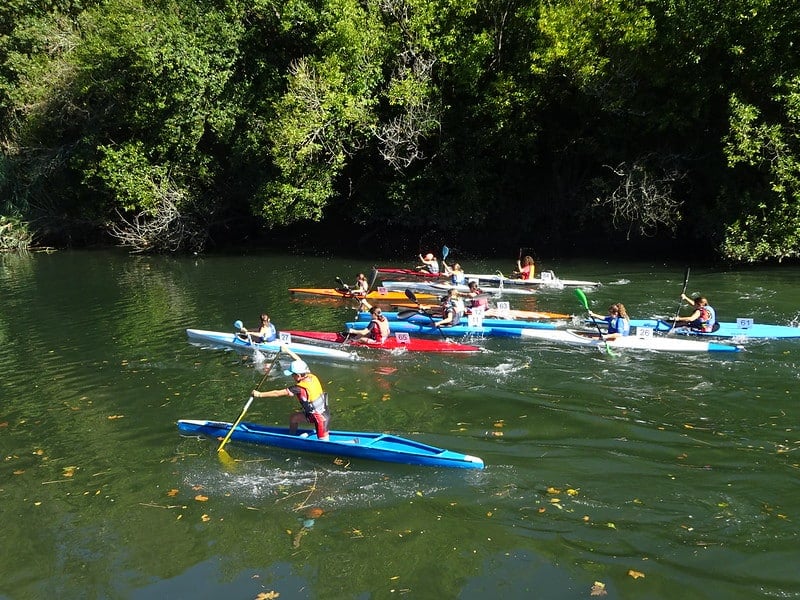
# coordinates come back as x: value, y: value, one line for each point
x: 295, y: 420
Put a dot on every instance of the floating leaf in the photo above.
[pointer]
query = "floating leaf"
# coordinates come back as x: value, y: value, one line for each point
x: 69, y: 471
x: 19, y: 471
x: 201, y: 498
x: 172, y: 493
x: 315, y: 512
x: 598, y: 589
x: 205, y: 518
x: 611, y: 526
x: 571, y: 492
x: 271, y: 595
x: 635, y: 574
x: 112, y: 417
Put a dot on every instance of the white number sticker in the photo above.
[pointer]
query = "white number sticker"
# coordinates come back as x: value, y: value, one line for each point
x: 402, y: 337
x: 744, y: 323
x: 286, y: 338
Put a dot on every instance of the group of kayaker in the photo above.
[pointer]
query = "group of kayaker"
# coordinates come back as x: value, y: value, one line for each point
x: 308, y: 390
x: 703, y: 317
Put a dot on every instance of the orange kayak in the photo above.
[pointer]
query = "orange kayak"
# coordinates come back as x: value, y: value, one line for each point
x: 376, y: 295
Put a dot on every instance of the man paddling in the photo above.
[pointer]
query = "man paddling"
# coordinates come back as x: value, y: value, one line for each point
x: 308, y: 391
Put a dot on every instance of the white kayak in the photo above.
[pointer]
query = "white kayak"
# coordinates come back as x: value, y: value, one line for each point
x: 628, y: 342
x: 221, y: 339
x: 546, y: 279
x: 442, y: 288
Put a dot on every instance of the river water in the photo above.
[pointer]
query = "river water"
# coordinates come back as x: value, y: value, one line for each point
x: 640, y: 475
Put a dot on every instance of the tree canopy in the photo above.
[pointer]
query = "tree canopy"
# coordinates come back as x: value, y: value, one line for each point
x: 161, y: 124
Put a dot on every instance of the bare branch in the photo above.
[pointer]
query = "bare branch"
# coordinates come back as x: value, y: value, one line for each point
x: 643, y: 199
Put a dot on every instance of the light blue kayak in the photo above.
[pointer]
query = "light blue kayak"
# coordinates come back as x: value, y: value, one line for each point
x: 231, y: 340
x: 356, y: 444
x: 742, y: 328
x: 486, y: 322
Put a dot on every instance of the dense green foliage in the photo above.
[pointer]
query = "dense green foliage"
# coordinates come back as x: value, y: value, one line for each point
x: 163, y: 123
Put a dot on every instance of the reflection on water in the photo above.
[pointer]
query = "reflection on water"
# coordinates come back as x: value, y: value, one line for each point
x: 682, y: 468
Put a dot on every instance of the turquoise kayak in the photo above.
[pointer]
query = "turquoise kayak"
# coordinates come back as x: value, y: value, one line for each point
x: 742, y: 328
x: 356, y: 444
x: 424, y: 326
x: 424, y: 319
x: 231, y: 340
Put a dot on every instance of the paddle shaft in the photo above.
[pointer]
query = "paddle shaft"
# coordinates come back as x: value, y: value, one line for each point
x: 248, y: 403
x: 413, y: 297
x: 680, y: 301
x: 585, y: 301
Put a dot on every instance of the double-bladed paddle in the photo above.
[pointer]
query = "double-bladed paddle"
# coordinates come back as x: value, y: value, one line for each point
x: 680, y: 301
x: 413, y: 297
x: 585, y: 302
x: 224, y: 456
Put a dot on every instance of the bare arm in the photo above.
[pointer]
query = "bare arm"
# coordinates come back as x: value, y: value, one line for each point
x: 272, y: 393
x: 287, y: 350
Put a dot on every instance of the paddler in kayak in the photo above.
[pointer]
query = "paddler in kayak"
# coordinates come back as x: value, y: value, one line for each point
x: 362, y: 285
x: 477, y: 295
x: 452, y: 309
x: 377, y: 330
x: 619, y: 324
x: 456, y: 273
x: 525, y: 269
x: 308, y: 391
x: 429, y: 263
x: 703, y: 318
x: 266, y: 330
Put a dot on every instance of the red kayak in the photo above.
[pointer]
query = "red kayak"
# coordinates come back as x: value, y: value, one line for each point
x: 392, y: 343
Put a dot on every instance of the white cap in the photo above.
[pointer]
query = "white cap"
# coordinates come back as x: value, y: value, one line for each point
x: 298, y: 367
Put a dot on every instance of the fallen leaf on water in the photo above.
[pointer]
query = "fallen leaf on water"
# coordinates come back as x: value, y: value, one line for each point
x: 172, y: 493
x: 552, y: 490
x: 19, y: 471
x: 69, y: 471
x: 201, y: 498
x: 611, y: 526
x: 635, y: 574
x: 205, y: 518
x: 111, y: 417
x: 315, y: 512
x: 271, y: 595
x: 571, y: 492
x: 598, y: 589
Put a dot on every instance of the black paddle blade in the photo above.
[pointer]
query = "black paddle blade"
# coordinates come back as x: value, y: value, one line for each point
x: 411, y: 295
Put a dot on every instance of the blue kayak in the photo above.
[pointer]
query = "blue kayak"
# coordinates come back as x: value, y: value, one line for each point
x: 231, y: 340
x: 425, y: 327
x: 486, y: 322
x: 356, y: 444
x: 740, y: 329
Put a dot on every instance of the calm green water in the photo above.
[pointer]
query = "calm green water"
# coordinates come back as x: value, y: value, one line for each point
x: 684, y: 469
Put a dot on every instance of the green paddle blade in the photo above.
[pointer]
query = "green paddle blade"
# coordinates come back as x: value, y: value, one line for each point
x: 582, y: 297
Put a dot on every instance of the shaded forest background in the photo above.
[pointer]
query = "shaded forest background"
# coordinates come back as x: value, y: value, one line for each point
x: 569, y: 126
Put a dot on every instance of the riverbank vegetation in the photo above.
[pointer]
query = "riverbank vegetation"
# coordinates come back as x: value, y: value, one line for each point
x: 175, y: 125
